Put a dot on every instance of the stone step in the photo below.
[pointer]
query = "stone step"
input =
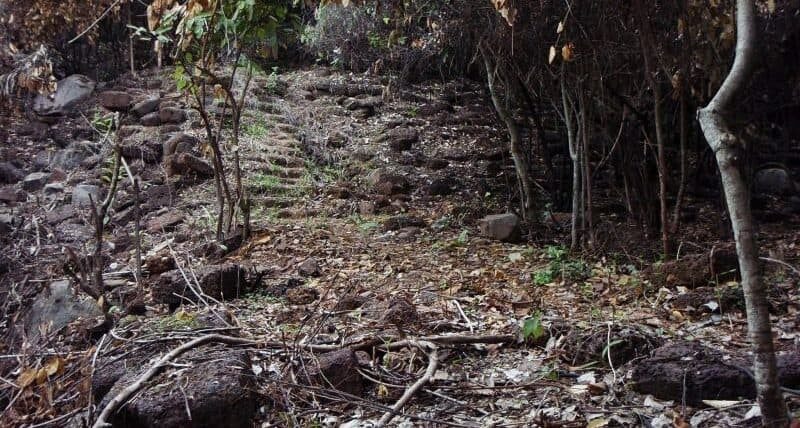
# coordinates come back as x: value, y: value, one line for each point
x: 276, y: 189
x: 288, y: 128
x: 286, y: 161
x: 286, y: 172
x: 274, y: 201
x: 283, y: 150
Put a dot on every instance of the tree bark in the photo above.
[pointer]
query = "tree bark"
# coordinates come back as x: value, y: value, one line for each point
x: 517, y: 153
x: 574, y: 154
x: 728, y: 150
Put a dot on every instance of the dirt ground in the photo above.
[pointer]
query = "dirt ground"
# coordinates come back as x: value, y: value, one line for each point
x: 366, y: 208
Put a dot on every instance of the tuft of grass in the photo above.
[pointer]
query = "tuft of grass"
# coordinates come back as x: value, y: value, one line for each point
x: 256, y: 130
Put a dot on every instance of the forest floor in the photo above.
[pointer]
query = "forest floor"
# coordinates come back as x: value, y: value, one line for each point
x: 366, y: 274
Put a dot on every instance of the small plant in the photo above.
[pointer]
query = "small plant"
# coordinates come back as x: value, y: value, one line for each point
x: 103, y: 123
x: 256, y: 130
x: 273, y: 84
x: 543, y: 276
x: 560, y: 267
x: 265, y: 183
x: 365, y: 226
x: 532, y: 328
x: 180, y: 320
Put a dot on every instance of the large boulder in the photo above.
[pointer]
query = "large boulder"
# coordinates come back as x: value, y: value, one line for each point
x: 502, y: 227
x: 56, y: 307
x: 215, y: 390
x: 692, y: 372
x: 71, y: 91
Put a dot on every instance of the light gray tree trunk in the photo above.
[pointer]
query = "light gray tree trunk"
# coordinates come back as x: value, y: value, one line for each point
x: 575, y: 156
x: 517, y: 154
x: 728, y: 150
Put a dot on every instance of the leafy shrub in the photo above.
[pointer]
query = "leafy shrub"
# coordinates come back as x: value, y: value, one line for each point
x: 343, y: 36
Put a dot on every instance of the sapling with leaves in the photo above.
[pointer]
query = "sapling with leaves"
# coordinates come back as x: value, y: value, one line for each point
x: 203, y: 34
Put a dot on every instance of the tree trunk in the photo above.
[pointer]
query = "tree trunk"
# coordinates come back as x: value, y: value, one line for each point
x: 728, y: 151
x: 517, y: 153
x: 574, y: 154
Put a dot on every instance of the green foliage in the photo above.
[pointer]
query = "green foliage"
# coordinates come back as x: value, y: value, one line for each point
x: 256, y: 130
x: 544, y: 276
x: 532, y: 328
x: 273, y: 85
x: 561, y: 267
x: 104, y: 123
x: 180, y: 320
x: 364, y: 225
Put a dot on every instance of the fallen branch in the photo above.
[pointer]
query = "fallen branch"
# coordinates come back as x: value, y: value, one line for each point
x: 433, y: 363
x: 131, y: 389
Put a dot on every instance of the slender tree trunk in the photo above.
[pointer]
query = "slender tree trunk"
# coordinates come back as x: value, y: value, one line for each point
x: 651, y: 73
x: 517, y: 153
x: 586, y: 207
x: 728, y: 151
x: 684, y: 135
x: 574, y: 154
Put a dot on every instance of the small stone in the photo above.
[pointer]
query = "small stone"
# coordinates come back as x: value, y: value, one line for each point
x: 309, y: 267
x: 442, y: 186
x: 387, y: 183
x: 115, y: 100
x: 301, y: 295
x: 151, y: 119
x: 54, y: 189
x: 70, y: 158
x: 126, y: 131
x: 35, y: 181
x: 159, y: 263
x: 169, y: 129
x: 8, y: 195
x: 400, y: 139
x: 10, y: 174
x: 185, y: 163
x: 225, y: 281
x: 180, y: 143
x: 337, y: 370
x: 166, y: 222
x: 773, y: 181
x: 402, y: 221
x: 437, y: 164
x: 84, y: 195
x: 172, y: 115
x: 147, y: 106
x: 502, y: 227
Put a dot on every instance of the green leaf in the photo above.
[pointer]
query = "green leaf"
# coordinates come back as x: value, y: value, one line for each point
x: 532, y: 328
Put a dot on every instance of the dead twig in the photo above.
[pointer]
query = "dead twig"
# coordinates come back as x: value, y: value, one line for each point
x: 433, y: 363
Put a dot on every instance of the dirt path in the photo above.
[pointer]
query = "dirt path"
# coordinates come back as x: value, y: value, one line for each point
x: 365, y: 214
